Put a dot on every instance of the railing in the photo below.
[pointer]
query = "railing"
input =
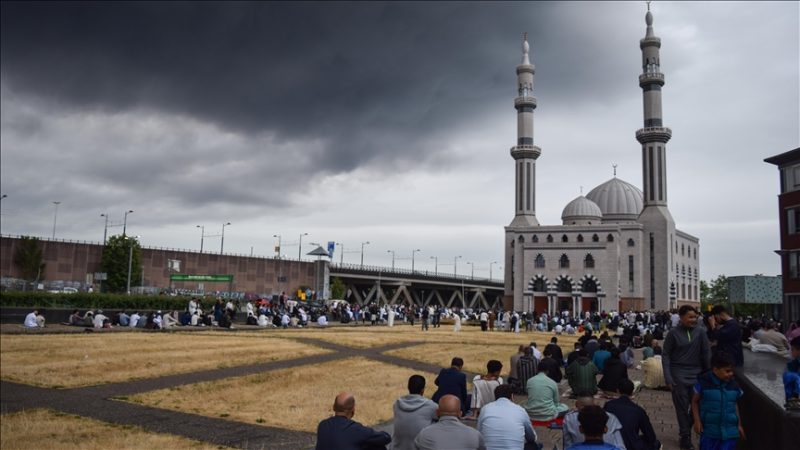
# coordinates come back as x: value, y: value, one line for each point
x: 648, y: 76
x: 416, y: 273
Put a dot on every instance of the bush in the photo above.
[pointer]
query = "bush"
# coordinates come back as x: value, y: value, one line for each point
x: 83, y: 300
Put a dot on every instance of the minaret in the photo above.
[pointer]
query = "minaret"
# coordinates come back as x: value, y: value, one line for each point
x: 656, y: 218
x: 525, y: 153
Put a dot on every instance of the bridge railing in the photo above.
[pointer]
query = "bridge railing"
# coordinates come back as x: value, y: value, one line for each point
x: 376, y: 270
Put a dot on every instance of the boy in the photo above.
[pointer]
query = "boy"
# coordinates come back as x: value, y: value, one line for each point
x: 714, y: 408
x: 791, y: 378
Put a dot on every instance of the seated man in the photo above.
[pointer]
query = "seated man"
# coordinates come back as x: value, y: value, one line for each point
x: 412, y: 413
x: 448, y: 432
x: 342, y: 432
x: 572, y: 433
x: 322, y: 320
x: 134, y: 319
x: 76, y: 319
x: 593, y: 421
x: 601, y: 355
x: 582, y: 375
x: 452, y: 381
x: 555, y: 351
x: 653, y: 371
x: 169, y: 320
x: 101, y: 320
x: 512, y: 374
x: 637, y: 431
x: 34, y: 320
x: 543, y: 400
x: 503, y: 423
x: 615, y: 371
x: 483, y: 386
x: 552, y: 366
x: 123, y: 319
x: 527, y: 366
x: 573, y: 355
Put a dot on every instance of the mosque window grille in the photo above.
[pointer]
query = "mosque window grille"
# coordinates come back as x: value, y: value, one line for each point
x: 588, y: 261
x: 580, y: 238
x: 595, y: 238
x: 563, y: 262
x: 539, y: 261
x: 610, y: 238
x: 535, y: 239
x: 631, y: 243
x: 564, y: 238
x: 683, y: 250
x: 549, y: 238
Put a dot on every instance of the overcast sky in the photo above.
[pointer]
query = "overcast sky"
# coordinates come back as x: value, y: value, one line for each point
x: 385, y: 122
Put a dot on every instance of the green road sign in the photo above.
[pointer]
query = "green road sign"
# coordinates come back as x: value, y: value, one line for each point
x: 210, y: 278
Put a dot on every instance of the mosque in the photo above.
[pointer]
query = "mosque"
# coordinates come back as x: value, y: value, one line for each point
x: 617, y: 247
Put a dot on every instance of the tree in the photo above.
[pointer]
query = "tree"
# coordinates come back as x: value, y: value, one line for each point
x: 714, y: 292
x: 337, y: 288
x: 115, y: 263
x: 28, y: 259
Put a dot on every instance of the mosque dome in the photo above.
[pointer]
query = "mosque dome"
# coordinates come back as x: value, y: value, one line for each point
x: 618, y: 200
x: 581, y: 211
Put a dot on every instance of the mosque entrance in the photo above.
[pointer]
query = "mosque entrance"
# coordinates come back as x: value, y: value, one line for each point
x: 588, y: 304
x: 540, y: 304
x: 565, y: 304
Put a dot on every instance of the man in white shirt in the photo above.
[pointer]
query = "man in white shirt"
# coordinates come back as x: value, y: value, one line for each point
x: 322, y: 320
x: 192, y: 306
x: 503, y: 423
x: 157, y: 320
x: 31, y: 320
x: 99, y: 318
x: 536, y: 353
x: 134, y: 319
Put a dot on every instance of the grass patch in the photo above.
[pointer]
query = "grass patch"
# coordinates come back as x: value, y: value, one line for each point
x: 46, y: 429
x: 82, y: 360
x: 296, y: 398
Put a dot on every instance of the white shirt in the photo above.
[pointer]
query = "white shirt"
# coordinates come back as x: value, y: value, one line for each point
x: 505, y: 425
x: 98, y: 320
x: 134, y: 320
x: 30, y: 321
x: 322, y: 320
x: 192, y: 306
x: 157, y: 320
x: 536, y: 353
x: 262, y: 320
x: 285, y: 319
x: 484, y: 317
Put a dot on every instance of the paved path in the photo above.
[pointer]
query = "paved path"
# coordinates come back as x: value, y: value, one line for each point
x: 96, y: 402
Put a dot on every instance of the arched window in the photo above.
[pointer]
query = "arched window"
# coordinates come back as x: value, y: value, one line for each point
x: 564, y: 238
x: 610, y: 237
x: 595, y: 238
x: 521, y: 238
x: 564, y: 285
x: 631, y: 243
x: 539, y: 286
x: 539, y: 261
x: 677, y: 268
x: 535, y: 238
x: 695, y: 253
x: 588, y: 262
x: 676, y: 247
x: 549, y: 238
x: 589, y: 285
x: 683, y: 270
x: 580, y: 238
x: 563, y: 262
x: 683, y: 250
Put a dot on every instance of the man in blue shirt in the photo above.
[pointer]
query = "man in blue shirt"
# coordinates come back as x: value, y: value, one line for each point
x: 341, y: 432
x: 503, y: 423
x: 637, y: 431
x: 453, y: 381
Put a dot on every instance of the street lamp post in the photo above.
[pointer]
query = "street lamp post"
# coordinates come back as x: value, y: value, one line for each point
x: 105, y: 230
x: 55, y: 216
x: 300, y: 246
x: 455, y: 265
x: 341, y: 253
x: 279, y: 245
x: 130, y: 259
x: 222, y: 241
x: 202, y: 235
x: 362, y: 252
x: 125, y: 222
x: 435, y: 265
x: 413, y: 252
x: 490, y: 268
x: 392, y: 252
x: 472, y: 273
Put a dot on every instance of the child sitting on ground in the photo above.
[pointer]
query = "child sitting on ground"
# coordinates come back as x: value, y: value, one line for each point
x: 714, y: 408
x: 791, y: 378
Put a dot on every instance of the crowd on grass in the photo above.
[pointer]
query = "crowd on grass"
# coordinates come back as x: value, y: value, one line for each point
x: 694, y: 359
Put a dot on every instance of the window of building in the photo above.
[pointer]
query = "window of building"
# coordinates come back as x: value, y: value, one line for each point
x: 589, y: 285
x: 630, y: 273
x: 539, y: 286
x: 595, y: 238
x: 695, y: 253
x: 564, y: 285
x: 683, y: 250
x: 580, y: 238
x: 539, y: 261
x: 563, y: 262
x: 683, y: 270
x: 550, y: 238
x: 794, y: 263
x: 521, y: 238
x: 610, y: 238
x: 588, y: 262
x: 564, y: 238
x: 535, y: 238
x: 683, y: 290
x: 631, y: 243
x: 793, y: 220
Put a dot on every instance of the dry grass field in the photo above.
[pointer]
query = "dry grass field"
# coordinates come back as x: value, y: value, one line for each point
x: 89, y: 359
x: 296, y: 398
x: 45, y: 429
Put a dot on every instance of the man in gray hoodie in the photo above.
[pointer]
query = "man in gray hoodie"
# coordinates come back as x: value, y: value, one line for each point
x: 687, y: 354
x: 412, y: 413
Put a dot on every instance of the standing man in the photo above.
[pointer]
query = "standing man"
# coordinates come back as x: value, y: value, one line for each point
x: 426, y: 314
x: 726, y: 332
x: 484, y: 321
x: 686, y: 355
x: 341, y: 432
x: 452, y: 381
x: 412, y: 413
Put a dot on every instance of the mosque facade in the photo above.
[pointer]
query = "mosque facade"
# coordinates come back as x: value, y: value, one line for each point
x: 617, y: 247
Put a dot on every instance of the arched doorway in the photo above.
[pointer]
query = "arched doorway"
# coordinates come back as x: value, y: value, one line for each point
x: 589, y: 301
x: 564, y: 301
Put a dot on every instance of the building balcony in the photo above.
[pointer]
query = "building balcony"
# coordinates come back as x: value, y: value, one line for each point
x: 650, y: 78
x: 653, y: 134
x: 525, y: 152
x: 525, y: 101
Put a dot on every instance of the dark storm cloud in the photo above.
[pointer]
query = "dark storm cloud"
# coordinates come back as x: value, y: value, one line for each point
x: 366, y: 78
